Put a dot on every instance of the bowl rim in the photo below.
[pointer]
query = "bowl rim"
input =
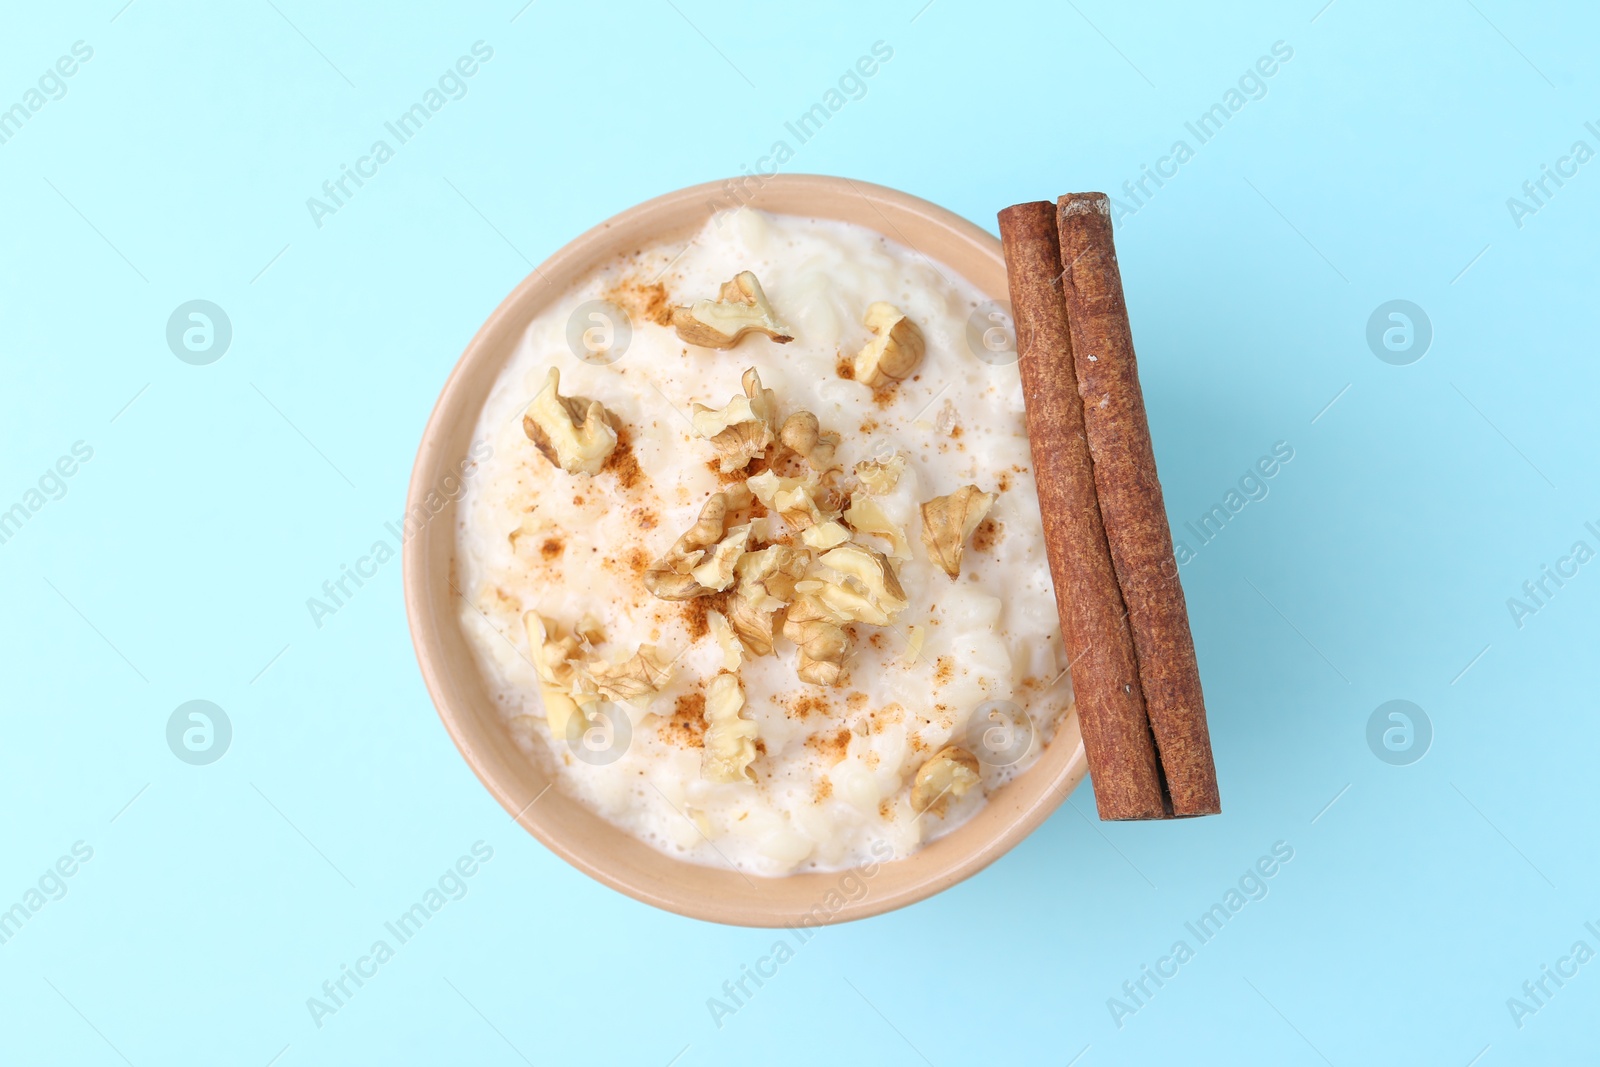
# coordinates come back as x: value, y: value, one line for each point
x: 1031, y: 797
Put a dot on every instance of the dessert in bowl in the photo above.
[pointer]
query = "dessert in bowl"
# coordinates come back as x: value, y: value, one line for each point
x: 742, y: 586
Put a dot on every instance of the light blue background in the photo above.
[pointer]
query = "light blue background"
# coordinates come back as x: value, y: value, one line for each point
x: 178, y: 563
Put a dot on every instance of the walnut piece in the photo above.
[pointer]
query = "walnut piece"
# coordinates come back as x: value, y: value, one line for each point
x: 730, y: 741
x: 572, y: 432
x: 802, y: 435
x: 563, y: 679
x: 880, y: 476
x: 801, y: 432
x: 740, y: 307
x: 716, y: 573
x: 588, y: 632
x: 570, y: 685
x: 752, y: 623
x: 866, y: 515
x: 775, y: 568
x: 951, y: 772
x: 801, y: 502
x: 742, y: 430
x: 766, y: 583
x: 873, y: 571
x: 896, y: 350
x: 947, y: 522
x: 867, y: 590
x: 727, y: 640
x: 672, y: 577
x: 635, y: 680
x: 814, y: 627
x: 825, y: 535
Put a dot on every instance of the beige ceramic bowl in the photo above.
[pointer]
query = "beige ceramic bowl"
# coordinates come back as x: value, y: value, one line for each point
x: 566, y: 827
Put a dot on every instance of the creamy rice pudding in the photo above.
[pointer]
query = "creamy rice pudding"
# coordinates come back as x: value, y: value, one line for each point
x: 761, y: 575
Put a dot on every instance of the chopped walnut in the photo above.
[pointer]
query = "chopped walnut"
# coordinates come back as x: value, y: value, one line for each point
x: 553, y: 652
x: 896, y: 350
x: 766, y: 583
x: 674, y: 575
x: 825, y: 535
x: 572, y: 432
x: 801, y: 502
x: 801, y: 432
x: 866, y: 515
x: 555, y: 662
x: 841, y: 602
x: 947, y: 522
x: 740, y: 307
x: 830, y: 493
x: 814, y: 627
x: 880, y: 476
x: 775, y: 568
x: 952, y: 772
x: 635, y: 680
x: 867, y: 590
x: 752, y: 623
x: 875, y: 573
x: 716, y: 573
x: 730, y: 741
x: 588, y: 632
x: 802, y: 435
x: 727, y: 640
x: 742, y: 430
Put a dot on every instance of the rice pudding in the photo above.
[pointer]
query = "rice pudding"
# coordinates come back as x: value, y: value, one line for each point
x: 755, y: 563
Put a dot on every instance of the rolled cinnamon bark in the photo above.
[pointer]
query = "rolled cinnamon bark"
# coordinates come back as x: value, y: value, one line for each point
x: 1105, y: 674
x: 1130, y: 501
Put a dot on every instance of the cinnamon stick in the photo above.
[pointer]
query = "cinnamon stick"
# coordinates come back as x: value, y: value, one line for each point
x: 1099, y: 644
x: 1131, y: 507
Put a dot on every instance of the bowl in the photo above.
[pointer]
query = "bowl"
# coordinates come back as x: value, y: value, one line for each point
x: 570, y: 830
